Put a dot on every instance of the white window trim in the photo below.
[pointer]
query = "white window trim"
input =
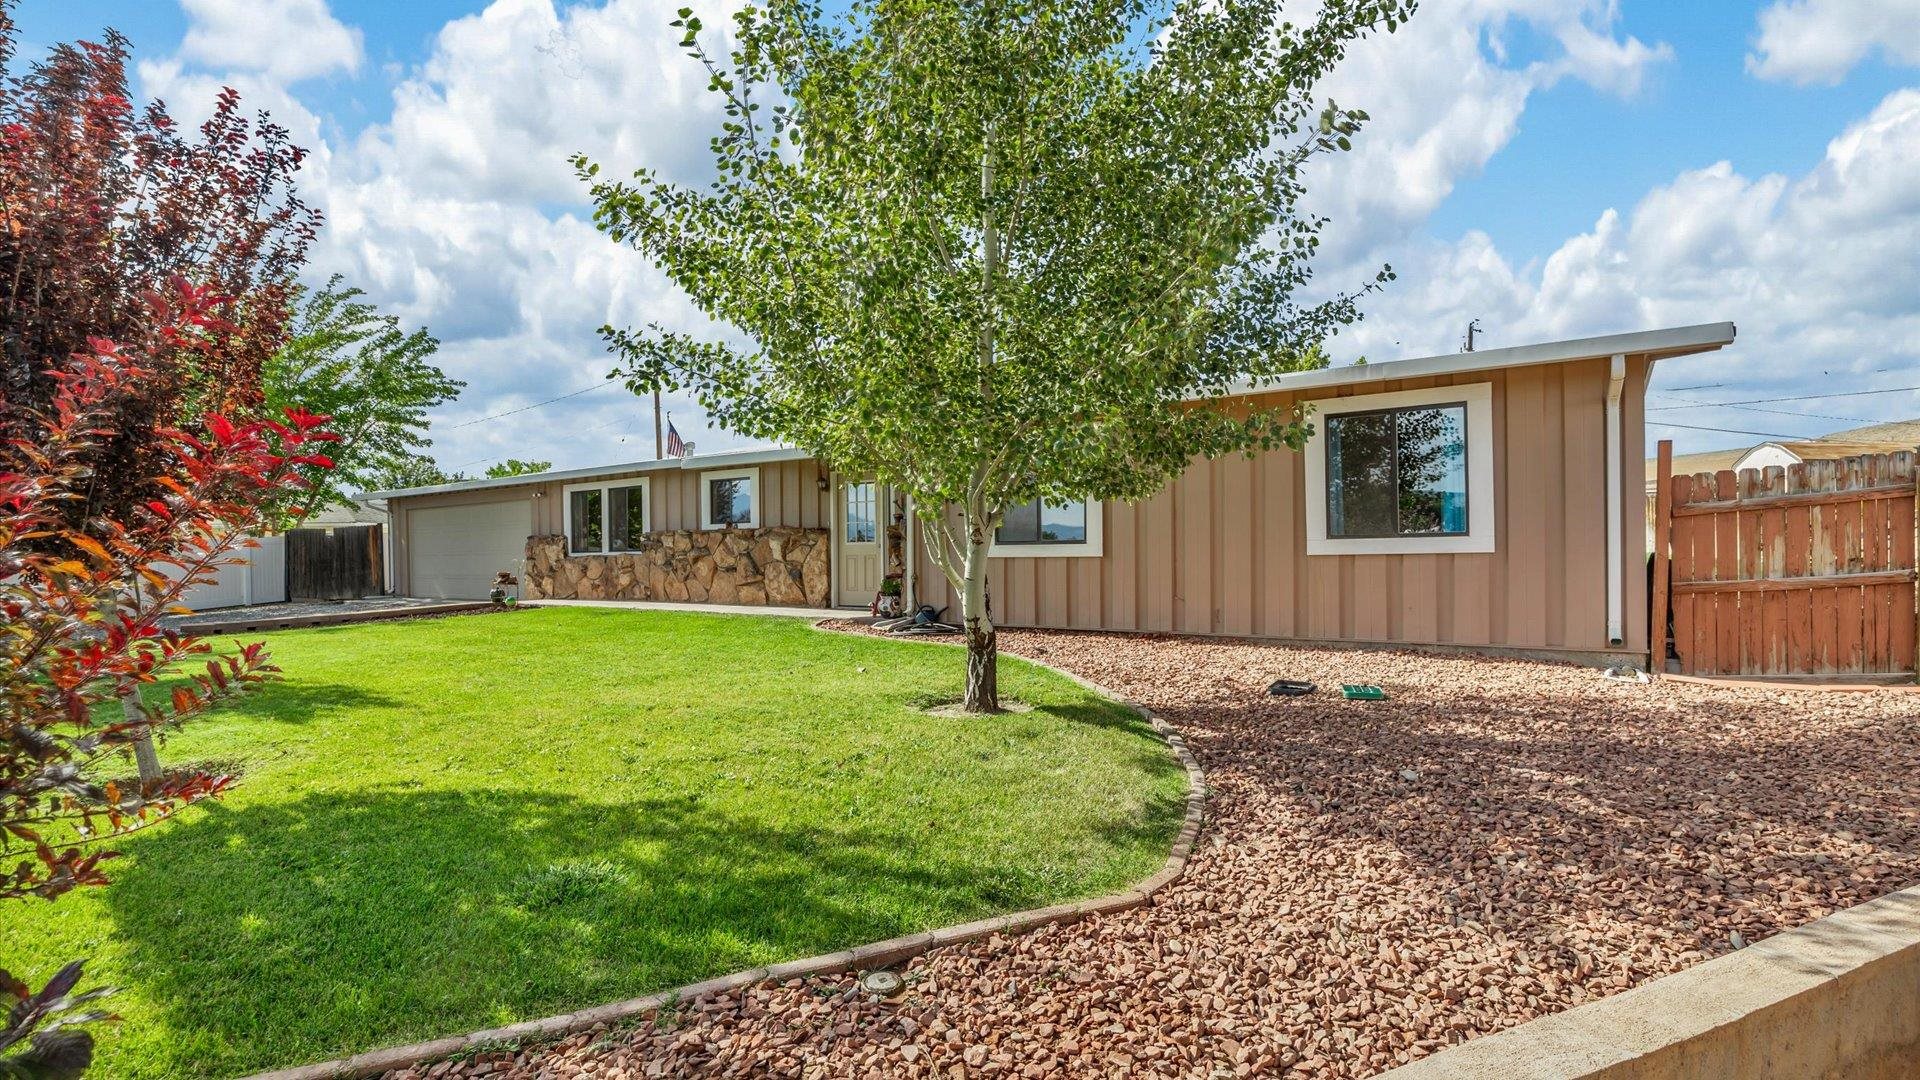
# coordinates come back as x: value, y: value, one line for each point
x: 1480, y: 492
x: 752, y: 476
x: 604, y: 487
x: 1092, y: 548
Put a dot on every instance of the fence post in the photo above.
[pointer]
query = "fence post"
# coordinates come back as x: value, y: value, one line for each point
x: 1662, y: 542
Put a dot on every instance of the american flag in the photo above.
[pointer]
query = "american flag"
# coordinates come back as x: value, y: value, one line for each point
x: 675, y: 447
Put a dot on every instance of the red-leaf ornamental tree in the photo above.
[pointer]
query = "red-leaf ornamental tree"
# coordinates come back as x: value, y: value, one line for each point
x: 103, y: 202
x: 73, y: 636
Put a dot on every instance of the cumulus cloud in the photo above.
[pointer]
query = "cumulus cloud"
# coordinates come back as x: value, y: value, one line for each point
x: 1819, y: 41
x: 287, y: 40
x: 461, y: 213
x: 510, y: 93
x: 1817, y: 270
x: 1445, y: 98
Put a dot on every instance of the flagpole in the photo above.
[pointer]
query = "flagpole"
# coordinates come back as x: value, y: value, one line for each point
x: 659, y: 446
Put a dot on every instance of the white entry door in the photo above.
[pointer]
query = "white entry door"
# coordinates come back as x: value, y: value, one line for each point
x: 859, y: 523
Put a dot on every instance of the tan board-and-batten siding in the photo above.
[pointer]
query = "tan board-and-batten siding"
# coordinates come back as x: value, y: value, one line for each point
x: 1222, y: 550
x: 789, y: 493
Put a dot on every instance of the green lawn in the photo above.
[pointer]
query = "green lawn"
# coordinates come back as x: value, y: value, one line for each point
x: 452, y: 824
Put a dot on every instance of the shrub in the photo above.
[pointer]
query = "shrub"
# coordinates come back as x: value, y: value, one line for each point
x: 82, y: 606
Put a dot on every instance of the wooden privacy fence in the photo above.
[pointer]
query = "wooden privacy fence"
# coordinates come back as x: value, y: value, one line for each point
x: 340, y: 563
x: 1801, y: 571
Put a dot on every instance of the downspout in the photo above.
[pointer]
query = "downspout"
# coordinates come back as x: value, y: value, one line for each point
x: 1616, y: 581
x: 910, y: 600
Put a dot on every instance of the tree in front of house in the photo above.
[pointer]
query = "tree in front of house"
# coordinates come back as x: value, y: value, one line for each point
x: 412, y: 471
x: 76, y: 638
x: 516, y: 467
x: 376, y: 379
x: 102, y: 204
x: 985, y: 251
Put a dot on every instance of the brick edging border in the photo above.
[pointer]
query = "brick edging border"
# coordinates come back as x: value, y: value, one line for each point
x: 878, y: 954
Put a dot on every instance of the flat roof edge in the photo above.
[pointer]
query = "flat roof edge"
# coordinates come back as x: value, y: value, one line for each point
x: 1662, y: 343
x: 726, y: 458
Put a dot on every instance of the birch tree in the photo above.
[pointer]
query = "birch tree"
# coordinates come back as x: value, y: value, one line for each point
x: 987, y: 251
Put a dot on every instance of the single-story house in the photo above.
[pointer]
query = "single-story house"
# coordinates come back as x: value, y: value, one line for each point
x: 1478, y: 500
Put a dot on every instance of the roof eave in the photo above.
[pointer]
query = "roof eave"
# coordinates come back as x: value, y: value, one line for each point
x: 1656, y: 344
x: 724, y: 459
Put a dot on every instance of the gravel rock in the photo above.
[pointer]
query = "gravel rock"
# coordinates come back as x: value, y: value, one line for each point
x: 1495, y: 841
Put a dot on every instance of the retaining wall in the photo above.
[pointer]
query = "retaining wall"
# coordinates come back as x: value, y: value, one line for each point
x: 1837, y: 999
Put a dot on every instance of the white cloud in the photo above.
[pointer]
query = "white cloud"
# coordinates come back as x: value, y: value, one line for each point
x: 287, y: 40
x: 1819, y: 41
x: 1816, y: 270
x: 511, y: 92
x: 1444, y: 99
x: 462, y: 214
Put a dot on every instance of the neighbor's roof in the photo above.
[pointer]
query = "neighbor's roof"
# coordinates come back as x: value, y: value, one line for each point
x: 758, y: 456
x: 1707, y: 461
x: 1886, y: 438
x: 1658, y: 344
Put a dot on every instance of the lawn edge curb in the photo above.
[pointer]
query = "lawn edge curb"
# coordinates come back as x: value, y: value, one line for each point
x: 876, y: 954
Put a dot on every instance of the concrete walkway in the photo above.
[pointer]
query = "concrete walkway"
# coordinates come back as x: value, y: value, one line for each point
x: 298, y: 613
x: 711, y: 609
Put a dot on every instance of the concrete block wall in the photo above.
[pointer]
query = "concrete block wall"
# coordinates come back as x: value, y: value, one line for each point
x: 1837, y: 999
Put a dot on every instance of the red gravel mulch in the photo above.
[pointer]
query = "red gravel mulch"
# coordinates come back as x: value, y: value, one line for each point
x: 1376, y: 881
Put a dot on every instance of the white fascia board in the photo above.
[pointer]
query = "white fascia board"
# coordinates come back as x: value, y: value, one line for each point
x: 722, y: 460
x: 1673, y: 341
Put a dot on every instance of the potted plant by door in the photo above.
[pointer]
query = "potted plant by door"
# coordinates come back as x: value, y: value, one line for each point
x: 887, y: 603
x: 503, y: 581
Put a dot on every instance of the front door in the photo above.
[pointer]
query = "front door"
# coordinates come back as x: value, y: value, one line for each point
x: 857, y: 529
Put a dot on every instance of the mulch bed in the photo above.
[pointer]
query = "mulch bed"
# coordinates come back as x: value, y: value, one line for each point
x: 1376, y: 881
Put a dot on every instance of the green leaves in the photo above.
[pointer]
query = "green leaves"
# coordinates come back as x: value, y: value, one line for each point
x: 986, y: 251
x: 375, y: 379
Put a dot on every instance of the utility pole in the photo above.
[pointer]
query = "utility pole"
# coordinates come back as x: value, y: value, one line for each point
x: 1473, y: 327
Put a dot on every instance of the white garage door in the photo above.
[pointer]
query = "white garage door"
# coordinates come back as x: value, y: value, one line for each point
x: 454, y: 551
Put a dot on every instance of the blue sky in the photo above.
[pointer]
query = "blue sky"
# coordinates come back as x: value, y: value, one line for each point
x: 1552, y: 167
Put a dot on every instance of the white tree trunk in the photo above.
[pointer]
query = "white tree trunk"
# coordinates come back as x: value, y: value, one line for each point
x: 983, y: 668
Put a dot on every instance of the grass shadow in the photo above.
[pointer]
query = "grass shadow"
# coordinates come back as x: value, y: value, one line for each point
x: 295, y: 931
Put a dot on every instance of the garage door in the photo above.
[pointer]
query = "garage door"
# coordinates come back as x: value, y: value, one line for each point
x: 454, y: 551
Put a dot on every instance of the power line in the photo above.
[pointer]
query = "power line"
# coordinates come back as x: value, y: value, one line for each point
x: 535, y: 405
x: 1794, y: 397
x: 587, y: 431
x: 1776, y: 412
x: 1728, y: 430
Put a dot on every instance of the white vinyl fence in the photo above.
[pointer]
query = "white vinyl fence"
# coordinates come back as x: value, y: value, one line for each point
x: 262, y: 579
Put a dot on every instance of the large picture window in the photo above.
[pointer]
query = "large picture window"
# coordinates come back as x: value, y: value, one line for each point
x: 1398, y: 472
x: 730, y: 500
x: 1402, y: 472
x: 607, y: 517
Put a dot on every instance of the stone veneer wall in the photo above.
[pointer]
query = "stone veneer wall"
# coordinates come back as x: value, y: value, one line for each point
x: 778, y: 565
